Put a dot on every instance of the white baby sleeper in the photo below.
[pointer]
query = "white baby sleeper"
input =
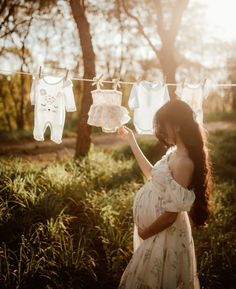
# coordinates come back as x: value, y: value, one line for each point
x: 106, y: 111
x: 193, y: 95
x: 145, y: 99
x: 51, y: 96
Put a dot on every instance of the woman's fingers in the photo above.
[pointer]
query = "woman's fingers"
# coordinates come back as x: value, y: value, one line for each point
x: 122, y: 130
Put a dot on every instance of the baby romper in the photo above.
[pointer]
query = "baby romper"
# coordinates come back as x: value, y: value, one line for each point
x: 51, y: 96
x: 145, y: 99
x: 106, y: 111
x: 193, y: 95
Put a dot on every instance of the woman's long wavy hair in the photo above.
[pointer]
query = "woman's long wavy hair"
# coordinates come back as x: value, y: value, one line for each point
x: 178, y: 113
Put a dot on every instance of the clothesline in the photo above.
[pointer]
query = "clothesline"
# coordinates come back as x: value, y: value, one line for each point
x: 110, y: 81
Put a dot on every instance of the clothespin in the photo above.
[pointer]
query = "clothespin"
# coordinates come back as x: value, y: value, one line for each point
x: 204, y: 82
x: 164, y: 79
x: 116, y: 83
x: 67, y: 72
x: 40, y: 71
x: 98, y: 81
x: 183, y: 82
x: 139, y: 80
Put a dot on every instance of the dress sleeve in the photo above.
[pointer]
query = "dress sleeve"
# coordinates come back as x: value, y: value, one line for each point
x: 177, y: 198
x: 69, y: 96
x: 133, y: 97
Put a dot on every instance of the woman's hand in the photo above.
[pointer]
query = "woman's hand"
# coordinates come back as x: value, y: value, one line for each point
x: 126, y: 133
x: 141, y: 233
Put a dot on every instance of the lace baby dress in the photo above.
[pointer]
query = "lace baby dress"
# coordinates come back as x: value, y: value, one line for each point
x: 106, y: 111
x: 167, y: 259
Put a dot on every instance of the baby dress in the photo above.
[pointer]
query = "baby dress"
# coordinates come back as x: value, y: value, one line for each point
x: 145, y: 99
x: 193, y: 95
x: 106, y: 111
x: 51, y: 96
x: 165, y: 260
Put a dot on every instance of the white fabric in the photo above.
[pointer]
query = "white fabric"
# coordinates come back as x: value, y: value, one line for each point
x: 167, y: 259
x: 106, y: 111
x: 193, y: 95
x: 145, y: 99
x: 51, y: 96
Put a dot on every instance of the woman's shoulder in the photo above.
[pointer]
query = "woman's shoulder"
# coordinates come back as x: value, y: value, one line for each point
x: 185, y: 163
x: 182, y: 171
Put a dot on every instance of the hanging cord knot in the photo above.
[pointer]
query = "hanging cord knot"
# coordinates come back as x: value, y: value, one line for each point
x: 98, y: 81
x: 116, y: 83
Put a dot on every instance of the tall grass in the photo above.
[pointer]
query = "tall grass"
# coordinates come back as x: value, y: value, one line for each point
x: 69, y: 224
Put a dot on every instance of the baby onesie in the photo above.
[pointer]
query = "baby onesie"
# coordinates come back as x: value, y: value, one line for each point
x: 106, y: 111
x: 51, y: 96
x: 145, y: 99
x: 193, y: 95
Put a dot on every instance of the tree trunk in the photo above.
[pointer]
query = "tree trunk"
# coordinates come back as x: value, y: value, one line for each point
x: 233, y: 98
x: 166, y: 55
x: 84, y: 130
x: 168, y: 65
x: 21, y: 120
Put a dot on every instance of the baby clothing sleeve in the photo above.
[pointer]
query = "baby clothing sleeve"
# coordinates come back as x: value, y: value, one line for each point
x: 69, y: 96
x: 133, y: 101
x: 177, y: 198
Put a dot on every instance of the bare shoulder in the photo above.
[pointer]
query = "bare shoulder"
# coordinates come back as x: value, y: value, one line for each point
x: 186, y: 164
x: 183, y: 171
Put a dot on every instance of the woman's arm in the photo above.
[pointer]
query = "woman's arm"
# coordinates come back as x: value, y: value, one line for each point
x: 160, y: 224
x: 142, y: 161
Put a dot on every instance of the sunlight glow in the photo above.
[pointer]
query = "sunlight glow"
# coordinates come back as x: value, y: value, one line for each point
x: 221, y: 18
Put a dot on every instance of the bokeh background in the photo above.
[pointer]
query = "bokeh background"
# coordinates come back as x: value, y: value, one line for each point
x: 66, y: 210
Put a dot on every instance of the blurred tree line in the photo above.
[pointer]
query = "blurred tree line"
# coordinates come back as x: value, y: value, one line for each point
x: 127, y: 39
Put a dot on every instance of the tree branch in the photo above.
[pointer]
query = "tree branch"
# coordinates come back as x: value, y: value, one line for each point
x: 140, y: 27
x: 177, y: 14
x: 160, y: 28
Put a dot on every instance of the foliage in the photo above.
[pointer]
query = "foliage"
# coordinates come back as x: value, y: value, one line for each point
x: 69, y: 224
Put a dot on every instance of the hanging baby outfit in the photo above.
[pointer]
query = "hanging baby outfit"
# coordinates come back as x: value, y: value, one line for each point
x: 145, y: 99
x: 193, y: 95
x: 51, y: 96
x: 106, y: 111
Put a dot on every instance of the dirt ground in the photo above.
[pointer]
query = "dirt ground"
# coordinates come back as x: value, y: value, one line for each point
x: 47, y: 150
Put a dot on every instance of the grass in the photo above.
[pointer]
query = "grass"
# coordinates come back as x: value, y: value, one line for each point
x: 69, y: 224
x: 220, y: 116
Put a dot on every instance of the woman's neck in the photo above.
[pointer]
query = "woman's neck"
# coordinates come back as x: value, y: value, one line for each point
x: 180, y: 147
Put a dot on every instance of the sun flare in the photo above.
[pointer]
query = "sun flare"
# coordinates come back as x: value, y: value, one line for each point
x: 221, y: 18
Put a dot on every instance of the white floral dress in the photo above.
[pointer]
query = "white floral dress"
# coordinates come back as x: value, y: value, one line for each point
x: 167, y: 259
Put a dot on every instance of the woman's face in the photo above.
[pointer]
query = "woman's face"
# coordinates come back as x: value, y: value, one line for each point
x: 167, y: 133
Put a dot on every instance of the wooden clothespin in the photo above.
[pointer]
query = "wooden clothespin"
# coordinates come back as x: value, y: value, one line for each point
x: 204, y: 82
x: 183, y: 82
x: 40, y: 71
x: 67, y: 72
x: 164, y: 79
x: 116, y: 83
x: 98, y: 81
x: 139, y: 80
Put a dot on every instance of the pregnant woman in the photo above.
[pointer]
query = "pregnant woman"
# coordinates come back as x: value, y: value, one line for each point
x: 178, y: 187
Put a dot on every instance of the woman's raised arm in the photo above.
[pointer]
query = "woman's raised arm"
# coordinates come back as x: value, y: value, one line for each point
x: 144, y: 164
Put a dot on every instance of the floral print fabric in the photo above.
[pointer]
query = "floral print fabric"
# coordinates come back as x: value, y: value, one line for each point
x: 167, y: 259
